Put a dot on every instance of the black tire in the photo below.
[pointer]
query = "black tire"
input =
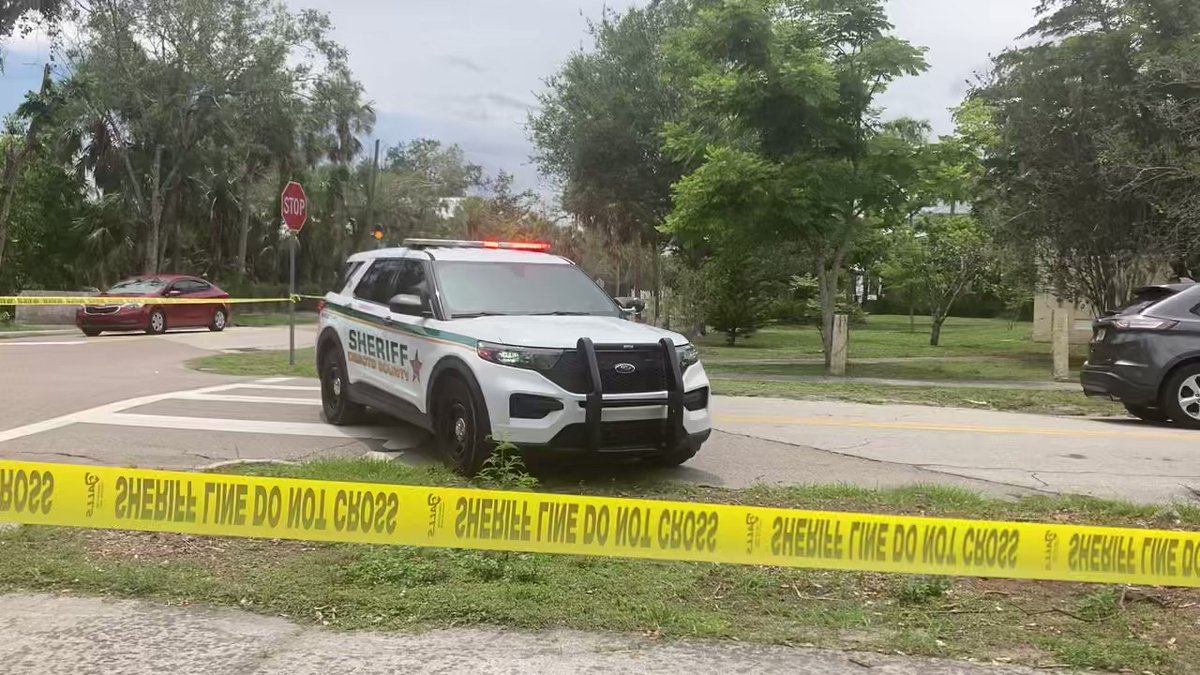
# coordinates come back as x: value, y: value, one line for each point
x: 1181, y: 397
x: 675, y: 456
x: 90, y: 332
x: 1157, y: 415
x: 460, y: 426
x: 339, y: 410
x: 157, y: 323
x: 219, y: 320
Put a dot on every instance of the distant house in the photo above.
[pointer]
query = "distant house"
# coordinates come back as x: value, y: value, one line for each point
x: 1082, y: 314
x: 448, y: 207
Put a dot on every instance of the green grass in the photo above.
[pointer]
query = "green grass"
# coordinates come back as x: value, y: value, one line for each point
x: 887, y: 336
x: 404, y: 588
x: 1025, y: 370
x: 1012, y: 400
x: 266, y: 363
x: 273, y: 363
x: 273, y: 319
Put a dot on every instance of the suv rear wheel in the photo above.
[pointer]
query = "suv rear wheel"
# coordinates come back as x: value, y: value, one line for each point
x: 458, y: 433
x: 1181, y: 397
x: 335, y: 392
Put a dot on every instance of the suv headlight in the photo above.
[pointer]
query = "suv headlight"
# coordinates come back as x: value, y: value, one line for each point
x: 688, y: 355
x: 532, y: 358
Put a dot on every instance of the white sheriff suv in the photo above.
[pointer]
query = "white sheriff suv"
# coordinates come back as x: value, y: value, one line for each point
x: 485, y: 342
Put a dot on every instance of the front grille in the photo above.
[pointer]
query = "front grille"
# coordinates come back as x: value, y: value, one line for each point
x: 648, y: 374
x: 632, y: 434
x: 101, y: 309
x: 649, y: 371
x: 570, y: 373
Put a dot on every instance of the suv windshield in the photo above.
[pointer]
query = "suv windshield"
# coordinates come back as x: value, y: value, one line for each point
x: 470, y: 288
x: 137, y: 286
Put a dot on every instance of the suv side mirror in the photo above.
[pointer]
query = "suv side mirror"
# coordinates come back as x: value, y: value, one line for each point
x: 408, y: 303
x: 634, y: 305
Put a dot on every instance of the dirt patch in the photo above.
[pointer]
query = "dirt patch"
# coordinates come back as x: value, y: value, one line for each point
x: 211, y: 553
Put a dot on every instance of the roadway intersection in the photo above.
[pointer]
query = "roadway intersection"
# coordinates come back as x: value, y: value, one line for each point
x: 132, y: 401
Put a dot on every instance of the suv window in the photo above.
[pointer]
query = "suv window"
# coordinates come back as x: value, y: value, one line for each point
x: 410, y: 278
x: 377, y: 283
x: 387, y: 278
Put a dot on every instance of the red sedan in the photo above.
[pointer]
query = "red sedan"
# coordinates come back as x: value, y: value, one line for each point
x: 132, y: 315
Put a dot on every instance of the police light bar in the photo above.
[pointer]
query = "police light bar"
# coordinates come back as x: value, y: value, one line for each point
x: 537, y: 246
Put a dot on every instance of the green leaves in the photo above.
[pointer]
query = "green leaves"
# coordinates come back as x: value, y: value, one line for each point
x: 1094, y: 157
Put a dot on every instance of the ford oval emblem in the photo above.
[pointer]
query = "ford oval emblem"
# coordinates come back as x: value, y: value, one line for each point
x: 625, y: 368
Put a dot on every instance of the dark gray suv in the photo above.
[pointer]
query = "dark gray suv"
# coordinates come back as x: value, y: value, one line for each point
x: 1147, y: 355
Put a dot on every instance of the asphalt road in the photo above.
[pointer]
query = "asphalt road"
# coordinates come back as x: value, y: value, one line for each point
x: 130, y: 400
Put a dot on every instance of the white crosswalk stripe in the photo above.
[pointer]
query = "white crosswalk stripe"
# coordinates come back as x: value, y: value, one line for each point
x: 202, y: 411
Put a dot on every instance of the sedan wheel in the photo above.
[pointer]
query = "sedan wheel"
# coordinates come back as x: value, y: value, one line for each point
x: 158, y: 322
x: 218, y: 321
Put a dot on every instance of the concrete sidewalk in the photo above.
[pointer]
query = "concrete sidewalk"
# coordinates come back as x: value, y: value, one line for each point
x: 48, y: 635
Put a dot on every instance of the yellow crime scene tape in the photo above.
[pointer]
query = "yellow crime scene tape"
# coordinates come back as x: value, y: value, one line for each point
x: 113, y: 300
x: 313, y: 510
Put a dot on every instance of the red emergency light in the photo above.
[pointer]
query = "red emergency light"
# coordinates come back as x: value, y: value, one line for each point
x: 535, y: 246
x: 539, y: 246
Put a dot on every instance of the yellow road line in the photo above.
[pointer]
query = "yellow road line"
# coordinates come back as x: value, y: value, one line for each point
x: 959, y: 428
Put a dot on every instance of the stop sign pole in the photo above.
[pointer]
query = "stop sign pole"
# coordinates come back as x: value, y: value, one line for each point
x: 293, y: 208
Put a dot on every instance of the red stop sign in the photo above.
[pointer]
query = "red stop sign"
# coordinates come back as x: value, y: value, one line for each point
x: 293, y: 205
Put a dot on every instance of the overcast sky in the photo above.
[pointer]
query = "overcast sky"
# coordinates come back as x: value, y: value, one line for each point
x: 467, y: 71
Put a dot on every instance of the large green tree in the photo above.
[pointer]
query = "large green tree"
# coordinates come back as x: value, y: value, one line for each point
x: 599, y: 126
x: 1092, y: 162
x: 782, y: 134
x: 183, y: 99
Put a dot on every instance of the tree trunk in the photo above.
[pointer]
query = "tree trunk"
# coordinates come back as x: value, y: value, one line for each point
x: 656, y: 272
x: 243, y: 228
x: 150, y: 253
x: 177, y: 244
x: 12, y: 175
x: 935, y: 333
x: 827, y: 289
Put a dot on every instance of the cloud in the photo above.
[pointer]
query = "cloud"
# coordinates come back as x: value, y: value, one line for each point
x: 463, y: 63
x: 961, y: 36
x: 466, y: 71
x: 505, y: 101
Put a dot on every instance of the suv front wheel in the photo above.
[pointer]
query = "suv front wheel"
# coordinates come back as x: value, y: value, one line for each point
x: 458, y: 432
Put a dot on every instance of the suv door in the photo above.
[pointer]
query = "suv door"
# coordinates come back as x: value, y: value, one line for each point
x: 368, y: 342
x: 411, y: 279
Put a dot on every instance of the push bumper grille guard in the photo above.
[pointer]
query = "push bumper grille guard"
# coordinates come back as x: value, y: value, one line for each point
x: 594, y: 403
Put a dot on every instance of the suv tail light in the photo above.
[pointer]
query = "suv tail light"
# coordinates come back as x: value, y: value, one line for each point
x: 1143, y: 323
